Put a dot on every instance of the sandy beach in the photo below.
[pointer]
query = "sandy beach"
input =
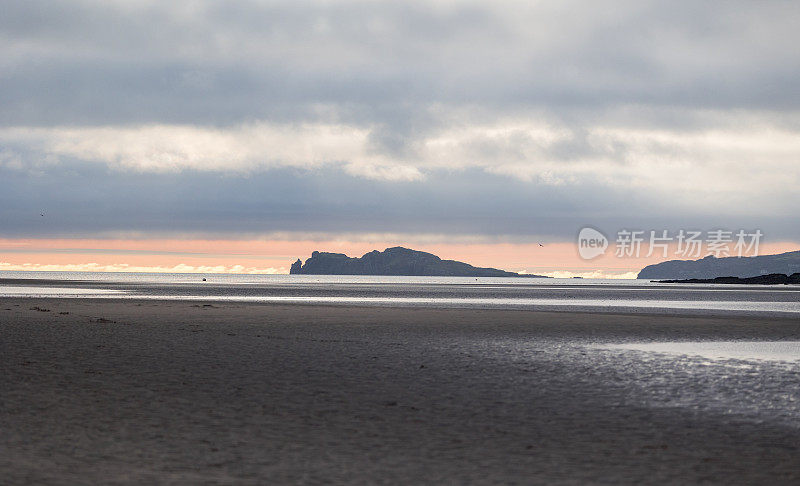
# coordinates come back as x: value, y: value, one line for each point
x: 126, y: 391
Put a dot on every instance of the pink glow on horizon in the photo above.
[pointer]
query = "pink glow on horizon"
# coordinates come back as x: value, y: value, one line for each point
x: 275, y: 256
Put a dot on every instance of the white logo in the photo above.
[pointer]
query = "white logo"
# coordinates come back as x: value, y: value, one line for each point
x: 591, y: 243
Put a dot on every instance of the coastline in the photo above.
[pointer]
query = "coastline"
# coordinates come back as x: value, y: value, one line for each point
x: 587, y: 296
x: 170, y: 391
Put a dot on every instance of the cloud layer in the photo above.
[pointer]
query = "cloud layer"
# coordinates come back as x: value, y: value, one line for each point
x: 493, y: 119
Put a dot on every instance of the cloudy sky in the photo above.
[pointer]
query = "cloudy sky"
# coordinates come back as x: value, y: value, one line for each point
x: 240, y: 135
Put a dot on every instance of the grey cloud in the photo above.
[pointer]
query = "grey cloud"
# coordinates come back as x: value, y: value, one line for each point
x: 84, y: 200
x: 402, y: 70
x: 100, y: 62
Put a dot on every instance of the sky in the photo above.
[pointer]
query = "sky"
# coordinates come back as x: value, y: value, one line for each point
x: 238, y: 136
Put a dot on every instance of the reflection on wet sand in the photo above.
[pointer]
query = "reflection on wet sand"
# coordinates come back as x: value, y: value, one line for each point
x: 717, y: 350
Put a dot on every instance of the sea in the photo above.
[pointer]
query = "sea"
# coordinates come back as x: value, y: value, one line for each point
x: 545, y: 294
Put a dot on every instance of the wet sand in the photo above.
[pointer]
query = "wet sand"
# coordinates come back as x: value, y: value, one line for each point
x: 106, y: 391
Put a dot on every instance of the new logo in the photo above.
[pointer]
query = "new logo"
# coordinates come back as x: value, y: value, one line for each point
x: 591, y: 243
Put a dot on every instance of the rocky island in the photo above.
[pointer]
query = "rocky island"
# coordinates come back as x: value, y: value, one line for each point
x: 397, y: 261
x: 711, y: 267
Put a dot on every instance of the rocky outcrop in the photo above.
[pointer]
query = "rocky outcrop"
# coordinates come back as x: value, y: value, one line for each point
x: 296, y: 267
x: 710, y: 267
x: 393, y: 261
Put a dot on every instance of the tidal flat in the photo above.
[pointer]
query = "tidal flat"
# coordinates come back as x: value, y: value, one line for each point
x: 172, y: 392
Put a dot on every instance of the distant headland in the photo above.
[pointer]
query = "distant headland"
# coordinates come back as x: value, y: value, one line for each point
x: 711, y: 267
x: 396, y: 261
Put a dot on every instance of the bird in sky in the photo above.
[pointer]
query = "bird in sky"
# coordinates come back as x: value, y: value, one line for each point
x: 541, y: 245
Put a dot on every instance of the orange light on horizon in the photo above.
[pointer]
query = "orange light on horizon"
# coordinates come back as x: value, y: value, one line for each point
x: 276, y: 256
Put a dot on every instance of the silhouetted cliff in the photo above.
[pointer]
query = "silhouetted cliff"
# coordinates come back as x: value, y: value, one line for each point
x: 710, y: 267
x: 393, y: 261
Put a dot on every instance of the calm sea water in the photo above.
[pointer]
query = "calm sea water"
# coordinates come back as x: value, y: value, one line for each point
x: 626, y: 296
